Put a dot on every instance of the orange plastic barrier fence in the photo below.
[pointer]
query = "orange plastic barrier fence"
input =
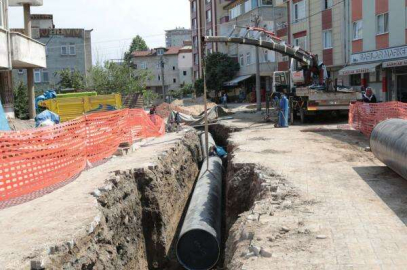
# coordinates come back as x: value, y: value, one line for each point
x: 365, y: 116
x: 32, y: 160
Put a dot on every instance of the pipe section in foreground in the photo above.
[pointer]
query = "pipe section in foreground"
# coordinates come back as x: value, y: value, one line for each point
x: 199, y: 243
x: 388, y: 143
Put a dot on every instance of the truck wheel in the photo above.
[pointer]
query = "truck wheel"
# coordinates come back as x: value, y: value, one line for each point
x: 303, y: 116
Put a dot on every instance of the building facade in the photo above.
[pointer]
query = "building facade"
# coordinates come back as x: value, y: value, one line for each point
x: 65, y: 49
x: 171, y: 67
x: 176, y: 37
x: 18, y: 51
x: 377, y: 47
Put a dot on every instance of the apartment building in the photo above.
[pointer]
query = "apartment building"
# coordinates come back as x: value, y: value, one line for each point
x: 175, y: 63
x: 204, y: 22
x: 65, y: 49
x: 376, y: 46
x: 176, y: 37
x: 18, y: 51
x: 241, y: 14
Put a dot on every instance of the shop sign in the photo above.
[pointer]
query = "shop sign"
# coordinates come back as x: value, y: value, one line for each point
x: 397, y: 63
x: 379, y: 55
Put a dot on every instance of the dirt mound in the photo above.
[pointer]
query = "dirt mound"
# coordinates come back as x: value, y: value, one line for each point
x: 165, y: 109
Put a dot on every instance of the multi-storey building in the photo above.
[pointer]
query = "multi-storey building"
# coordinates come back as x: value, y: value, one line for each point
x: 18, y: 51
x: 176, y: 37
x: 376, y: 47
x: 174, y: 64
x: 65, y: 49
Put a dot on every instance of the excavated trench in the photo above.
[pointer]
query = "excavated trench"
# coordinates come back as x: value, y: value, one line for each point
x: 142, y: 210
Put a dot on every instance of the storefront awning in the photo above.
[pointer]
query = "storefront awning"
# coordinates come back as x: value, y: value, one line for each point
x: 358, y: 69
x: 397, y: 63
x: 237, y: 80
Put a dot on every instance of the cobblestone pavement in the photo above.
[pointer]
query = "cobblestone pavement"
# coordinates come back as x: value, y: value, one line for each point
x: 343, y: 209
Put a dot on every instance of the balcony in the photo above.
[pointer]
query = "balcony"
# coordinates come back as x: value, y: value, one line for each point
x: 27, y: 52
x: 16, y: 3
x: 4, y: 57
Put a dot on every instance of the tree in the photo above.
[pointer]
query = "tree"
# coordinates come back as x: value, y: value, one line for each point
x: 220, y: 68
x: 199, y: 87
x: 69, y: 79
x: 21, y: 101
x: 138, y: 44
x: 115, y: 78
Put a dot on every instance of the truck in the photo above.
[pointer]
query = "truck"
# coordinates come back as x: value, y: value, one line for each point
x: 307, y: 83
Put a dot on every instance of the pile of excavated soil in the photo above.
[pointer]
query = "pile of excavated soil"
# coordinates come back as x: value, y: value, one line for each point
x: 164, y: 109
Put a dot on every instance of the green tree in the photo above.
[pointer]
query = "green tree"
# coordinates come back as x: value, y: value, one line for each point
x: 69, y: 79
x: 220, y: 68
x: 199, y: 87
x: 138, y: 44
x: 21, y: 101
x: 115, y: 78
x: 187, y: 89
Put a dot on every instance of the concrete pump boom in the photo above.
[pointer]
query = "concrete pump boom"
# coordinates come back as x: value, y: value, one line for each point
x: 296, y: 53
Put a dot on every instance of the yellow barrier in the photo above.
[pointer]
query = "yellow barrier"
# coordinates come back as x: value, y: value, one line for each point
x: 71, y: 108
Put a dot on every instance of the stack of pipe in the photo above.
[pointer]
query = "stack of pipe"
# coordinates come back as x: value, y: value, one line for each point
x: 199, y: 242
x: 388, y: 143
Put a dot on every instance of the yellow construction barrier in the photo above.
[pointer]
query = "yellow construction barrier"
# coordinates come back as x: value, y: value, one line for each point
x: 71, y: 108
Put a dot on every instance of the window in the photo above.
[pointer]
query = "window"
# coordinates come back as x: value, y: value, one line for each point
x: 174, y: 80
x: 195, y: 41
x: 1, y: 14
x: 208, y: 16
x: 358, y: 30
x: 160, y: 52
x: 235, y: 12
x: 173, y: 68
x: 355, y: 79
x: 241, y: 60
x: 143, y: 65
x: 299, y: 11
x: 266, y: 2
x: 209, y: 32
x: 45, y: 76
x: 248, y: 6
x: 248, y: 58
x: 327, y: 39
x: 301, y: 42
x: 64, y: 49
x: 37, y: 76
x: 193, y: 7
x: 194, y: 26
x: 327, y: 4
x: 185, y: 73
x: 72, y: 49
x: 20, y: 71
x: 382, y: 23
x: 266, y: 56
x: 159, y: 77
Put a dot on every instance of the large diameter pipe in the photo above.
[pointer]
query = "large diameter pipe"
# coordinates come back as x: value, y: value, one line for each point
x: 199, y: 243
x: 388, y: 143
x: 205, y: 149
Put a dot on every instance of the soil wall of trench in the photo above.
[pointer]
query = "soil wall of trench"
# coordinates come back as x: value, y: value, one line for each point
x: 140, y: 211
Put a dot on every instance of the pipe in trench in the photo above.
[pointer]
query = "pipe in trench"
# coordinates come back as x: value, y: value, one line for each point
x: 388, y: 143
x: 199, y: 242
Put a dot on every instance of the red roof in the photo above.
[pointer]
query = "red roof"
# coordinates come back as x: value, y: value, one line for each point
x: 173, y: 50
x: 141, y: 53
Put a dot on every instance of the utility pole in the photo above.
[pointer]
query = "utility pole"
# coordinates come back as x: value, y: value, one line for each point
x: 30, y: 71
x: 162, y: 75
x: 256, y: 22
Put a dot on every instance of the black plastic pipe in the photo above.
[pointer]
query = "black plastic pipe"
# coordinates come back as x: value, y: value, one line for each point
x: 199, y: 243
x: 388, y: 143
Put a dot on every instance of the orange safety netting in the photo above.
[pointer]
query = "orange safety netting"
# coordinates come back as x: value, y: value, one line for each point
x: 32, y: 160
x: 365, y: 116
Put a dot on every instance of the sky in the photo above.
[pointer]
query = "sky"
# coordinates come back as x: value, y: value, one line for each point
x: 114, y: 22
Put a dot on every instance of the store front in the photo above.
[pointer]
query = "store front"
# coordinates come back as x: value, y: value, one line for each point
x: 384, y: 70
